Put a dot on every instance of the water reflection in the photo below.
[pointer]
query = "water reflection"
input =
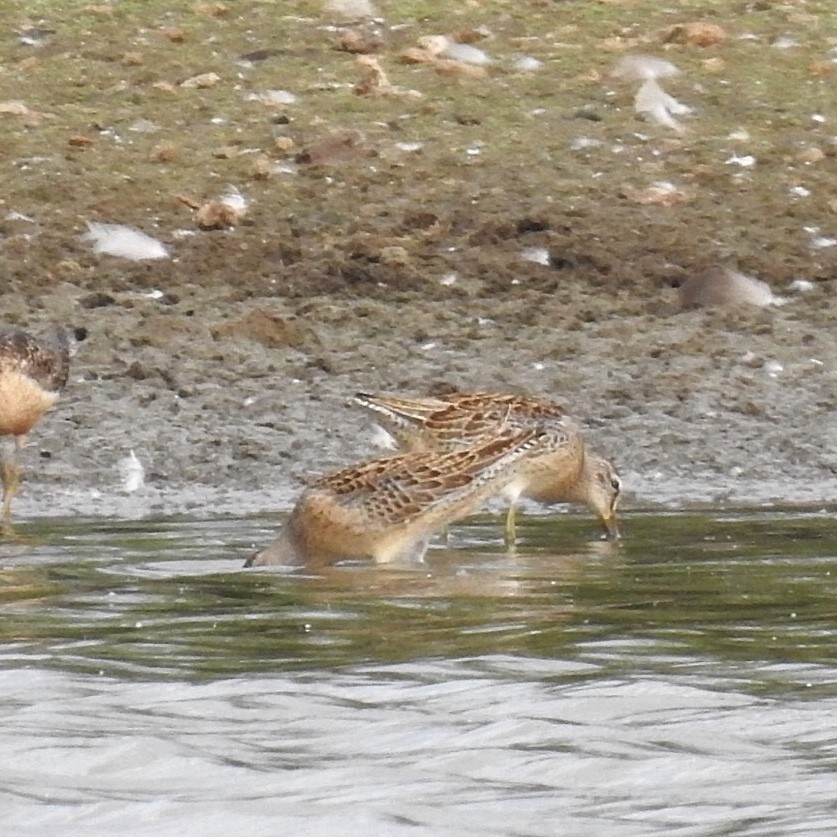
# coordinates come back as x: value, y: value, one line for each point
x: 109, y: 596
x: 681, y: 682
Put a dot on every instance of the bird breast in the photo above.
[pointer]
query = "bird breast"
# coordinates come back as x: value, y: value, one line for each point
x: 22, y: 403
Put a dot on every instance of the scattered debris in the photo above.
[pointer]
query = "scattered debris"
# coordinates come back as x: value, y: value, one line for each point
x: 714, y: 65
x: 651, y: 101
x: 818, y: 67
x: 262, y: 167
x: 639, y: 67
x: 374, y: 81
x: 654, y: 103
x: 537, y: 255
x: 144, y: 126
x: 819, y: 242
x: 772, y: 368
x: 175, y: 34
x: 212, y: 9
x: 352, y: 9
x: 724, y: 286
x: 97, y: 299
x: 746, y: 161
x: 471, y: 35
x: 34, y: 36
x: 526, y: 64
x: 14, y: 215
x: 697, y: 33
x: 163, y: 297
x: 394, y: 256
x: 226, y: 152
x: 662, y: 193
x: 257, y: 56
x: 458, y: 69
x: 201, y: 82
x: 409, y: 147
x: 465, y: 53
x: 336, y: 149
x: 448, y: 57
x: 133, y: 58
x: 585, y: 143
x: 131, y: 473
x: 124, y: 242
x: 811, y: 154
x: 163, y: 152
x: 164, y: 86
x: 224, y: 212
x: 274, y: 98
x: 433, y: 45
x: 235, y: 200
x: 31, y: 118
x: 359, y: 41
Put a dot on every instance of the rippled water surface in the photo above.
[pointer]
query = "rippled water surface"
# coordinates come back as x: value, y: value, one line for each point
x: 683, y: 682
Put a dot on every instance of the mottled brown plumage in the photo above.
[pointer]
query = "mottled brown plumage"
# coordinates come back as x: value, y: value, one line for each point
x: 387, y: 509
x: 32, y: 373
x: 457, y: 419
x: 567, y: 472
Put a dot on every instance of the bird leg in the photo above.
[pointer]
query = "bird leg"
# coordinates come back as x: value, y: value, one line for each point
x: 10, y: 474
x: 511, y: 529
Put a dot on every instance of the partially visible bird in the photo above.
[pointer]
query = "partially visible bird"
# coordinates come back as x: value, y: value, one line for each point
x: 33, y: 371
x: 566, y: 472
x: 387, y: 509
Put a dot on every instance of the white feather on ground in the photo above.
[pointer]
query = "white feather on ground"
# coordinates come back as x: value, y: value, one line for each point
x: 654, y: 103
x: 124, y: 242
x: 132, y: 473
x: 642, y: 68
x: 724, y: 286
x: 465, y: 53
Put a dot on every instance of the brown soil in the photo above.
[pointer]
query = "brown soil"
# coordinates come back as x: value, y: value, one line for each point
x: 367, y: 263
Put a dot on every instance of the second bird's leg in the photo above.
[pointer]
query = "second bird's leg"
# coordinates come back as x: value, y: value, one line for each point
x: 511, y: 529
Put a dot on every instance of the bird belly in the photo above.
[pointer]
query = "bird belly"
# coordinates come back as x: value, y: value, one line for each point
x: 550, y: 489
x: 22, y: 403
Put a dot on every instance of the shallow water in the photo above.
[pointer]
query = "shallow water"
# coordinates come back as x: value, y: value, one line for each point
x: 683, y: 682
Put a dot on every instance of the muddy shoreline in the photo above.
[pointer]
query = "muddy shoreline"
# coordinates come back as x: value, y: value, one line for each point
x: 501, y: 229
x: 692, y: 407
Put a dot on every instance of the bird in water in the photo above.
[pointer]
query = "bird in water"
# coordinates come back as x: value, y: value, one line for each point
x: 566, y: 471
x: 33, y: 371
x: 388, y: 509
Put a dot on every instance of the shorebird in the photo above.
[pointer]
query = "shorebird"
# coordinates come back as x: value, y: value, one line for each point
x: 566, y: 472
x: 32, y: 374
x: 388, y: 509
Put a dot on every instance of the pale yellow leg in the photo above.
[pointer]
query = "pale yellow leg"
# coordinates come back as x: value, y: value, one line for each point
x: 511, y: 529
x: 10, y: 473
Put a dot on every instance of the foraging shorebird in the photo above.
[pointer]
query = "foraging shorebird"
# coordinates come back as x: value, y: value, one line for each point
x: 565, y: 472
x: 388, y: 509
x: 32, y: 374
